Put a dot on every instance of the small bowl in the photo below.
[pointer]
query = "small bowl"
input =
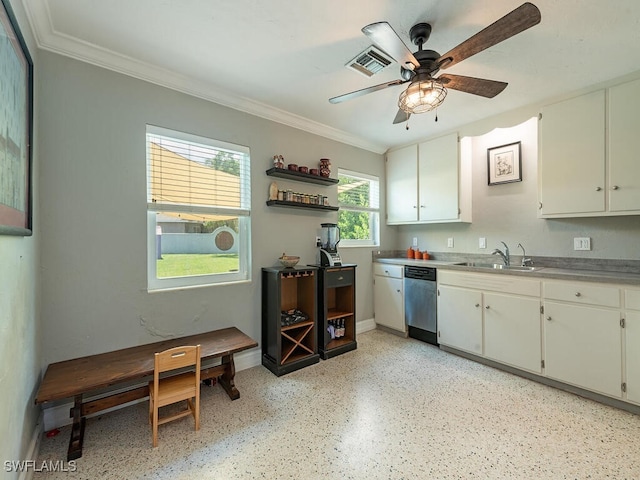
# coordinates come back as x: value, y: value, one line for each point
x: 289, y: 261
x: 314, y: 171
x: 303, y: 169
x: 293, y: 166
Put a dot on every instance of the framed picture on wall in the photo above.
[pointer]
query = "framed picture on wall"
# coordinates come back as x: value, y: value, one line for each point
x: 504, y: 164
x: 16, y: 113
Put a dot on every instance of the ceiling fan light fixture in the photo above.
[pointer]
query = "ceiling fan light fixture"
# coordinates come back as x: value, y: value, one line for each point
x: 422, y: 95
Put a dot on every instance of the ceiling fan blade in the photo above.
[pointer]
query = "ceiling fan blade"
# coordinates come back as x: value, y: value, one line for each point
x: 385, y: 37
x: 364, y: 91
x: 475, y: 86
x: 401, y: 116
x: 525, y: 16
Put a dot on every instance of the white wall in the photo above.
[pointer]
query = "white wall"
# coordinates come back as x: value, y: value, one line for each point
x: 19, y: 326
x: 92, y: 130
x: 508, y: 212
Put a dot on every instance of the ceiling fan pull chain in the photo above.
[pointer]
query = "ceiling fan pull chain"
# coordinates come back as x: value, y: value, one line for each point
x: 407, y: 125
x: 436, y: 114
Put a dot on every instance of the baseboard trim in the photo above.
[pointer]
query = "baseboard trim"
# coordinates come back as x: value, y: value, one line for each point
x: 34, y: 448
x: 365, y: 325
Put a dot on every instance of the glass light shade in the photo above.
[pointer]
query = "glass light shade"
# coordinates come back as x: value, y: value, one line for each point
x: 422, y: 96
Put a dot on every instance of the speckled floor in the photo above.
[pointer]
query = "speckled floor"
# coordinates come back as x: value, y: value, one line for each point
x: 393, y: 409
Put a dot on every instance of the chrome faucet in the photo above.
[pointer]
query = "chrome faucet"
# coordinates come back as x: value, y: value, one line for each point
x: 525, y: 261
x: 505, y: 255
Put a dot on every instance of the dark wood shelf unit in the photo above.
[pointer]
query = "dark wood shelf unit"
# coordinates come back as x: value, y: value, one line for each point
x: 336, y: 301
x: 311, y: 206
x: 301, y: 177
x: 289, y: 347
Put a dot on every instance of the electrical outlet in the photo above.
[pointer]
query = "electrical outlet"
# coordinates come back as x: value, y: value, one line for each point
x: 318, y: 242
x: 450, y: 242
x: 415, y: 241
x: 482, y: 242
x: 582, y: 243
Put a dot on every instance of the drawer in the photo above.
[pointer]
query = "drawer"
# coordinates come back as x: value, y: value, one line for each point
x: 582, y: 293
x: 495, y: 282
x: 385, y: 270
x: 632, y: 299
x: 339, y: 277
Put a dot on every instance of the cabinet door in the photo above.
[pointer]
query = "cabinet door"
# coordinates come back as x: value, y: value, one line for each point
x: 624, y: 168
x: 632, y: 332
x: 583, y: 347
x: 460, y: 318
x: 402, y: 185
x: 438, y: 179
x: 572, y: 156
x: 388, y: 300
x: 512, y: 330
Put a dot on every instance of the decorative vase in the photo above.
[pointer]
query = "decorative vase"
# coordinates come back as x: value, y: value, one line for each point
x: 325, y: 167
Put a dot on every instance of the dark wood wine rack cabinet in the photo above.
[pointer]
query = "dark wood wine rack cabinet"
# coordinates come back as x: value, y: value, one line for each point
x: 336, y: 305
x: 286, y: 348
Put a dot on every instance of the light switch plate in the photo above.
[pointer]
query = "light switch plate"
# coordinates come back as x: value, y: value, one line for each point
x: 482, y: 242
x: 582, y: 243
x: 450, y: 242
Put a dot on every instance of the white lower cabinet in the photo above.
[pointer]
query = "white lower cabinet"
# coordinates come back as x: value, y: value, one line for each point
x: 512, y: 330
x: 583, y: 347
x: 388, y: 295
x: 460, y: 318
x: 632, y: 344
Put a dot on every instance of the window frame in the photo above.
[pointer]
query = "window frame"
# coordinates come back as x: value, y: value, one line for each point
x: 374, y: 213
x: 243, y: 213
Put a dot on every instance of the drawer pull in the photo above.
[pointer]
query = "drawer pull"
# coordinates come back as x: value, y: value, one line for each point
x: 578, y: 294
x: 398, y: 291
x: 598, y: 189
x: 615, y: 187
x: 477, y: 305
x: 340, y: 278
x: 548, y: 319
x: 487, y: 307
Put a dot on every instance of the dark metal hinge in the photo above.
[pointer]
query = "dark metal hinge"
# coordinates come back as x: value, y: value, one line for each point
x: 622, y: 322
x: 623, y: 387
x: 542, y: 363
x: 540, y: 116
x: 541, y: 308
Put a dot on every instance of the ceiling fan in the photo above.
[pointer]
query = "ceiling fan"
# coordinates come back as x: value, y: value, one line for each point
x: 425, y: 92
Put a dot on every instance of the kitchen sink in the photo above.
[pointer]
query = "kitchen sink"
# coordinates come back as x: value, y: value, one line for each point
x: 499, y: 266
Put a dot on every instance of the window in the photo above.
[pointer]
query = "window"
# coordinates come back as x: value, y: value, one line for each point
x: 198, y: 210
x: 359, y: 215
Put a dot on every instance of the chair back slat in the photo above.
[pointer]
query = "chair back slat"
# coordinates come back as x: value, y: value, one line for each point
x: 178, y: 357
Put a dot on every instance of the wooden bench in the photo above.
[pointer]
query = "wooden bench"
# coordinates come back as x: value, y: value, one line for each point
x: 84, y: 376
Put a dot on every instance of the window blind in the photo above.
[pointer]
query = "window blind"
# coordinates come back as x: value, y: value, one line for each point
x: 196, y: 175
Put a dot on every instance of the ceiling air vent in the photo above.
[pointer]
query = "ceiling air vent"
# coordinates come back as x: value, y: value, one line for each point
x: 370, y: 62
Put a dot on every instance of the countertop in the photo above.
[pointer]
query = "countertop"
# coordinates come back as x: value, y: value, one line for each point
x: 582, y: 275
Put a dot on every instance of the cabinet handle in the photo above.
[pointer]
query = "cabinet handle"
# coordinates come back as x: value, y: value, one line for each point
x: 477, y: 305
x: 415, y: 206
x: 387, y: 272
x: 423, y: 206
x: 598, y: 189
x: 398, y: 291
x: 578, y: 294
x: 539, y: 205
x: 548, y: 319
x: 615, y: 187
x: 487, y: 307
x: 340, y: 278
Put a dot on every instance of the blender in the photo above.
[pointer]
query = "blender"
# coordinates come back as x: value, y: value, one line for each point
x: 329, y: 239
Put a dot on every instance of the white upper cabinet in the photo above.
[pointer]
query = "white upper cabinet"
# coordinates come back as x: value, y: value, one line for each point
x: 589, y: 154
x: 425, y: 183
x: 402, y: 185
x: 624, y: 152
x: 438, y: 179
x: 572, y: 151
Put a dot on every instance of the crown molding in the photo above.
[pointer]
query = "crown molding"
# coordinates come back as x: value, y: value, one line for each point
x: 47, y: 38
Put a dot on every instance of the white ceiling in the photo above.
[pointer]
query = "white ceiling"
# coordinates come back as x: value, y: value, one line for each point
x: 283, y: 59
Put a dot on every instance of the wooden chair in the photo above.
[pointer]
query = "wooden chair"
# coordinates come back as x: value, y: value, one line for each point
x: 175, y: 388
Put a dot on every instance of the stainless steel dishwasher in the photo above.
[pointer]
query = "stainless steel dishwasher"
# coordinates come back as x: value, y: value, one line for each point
x: 420, y: 299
